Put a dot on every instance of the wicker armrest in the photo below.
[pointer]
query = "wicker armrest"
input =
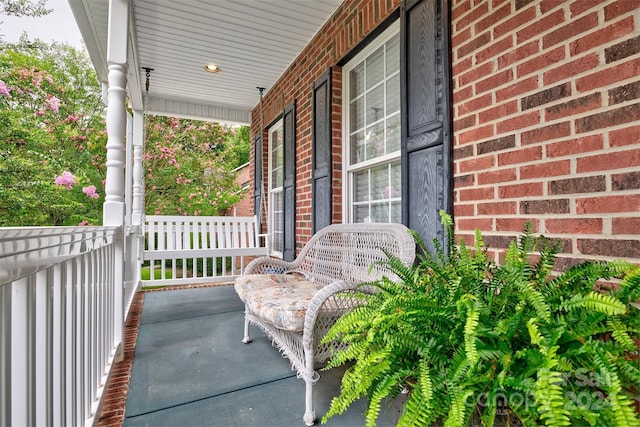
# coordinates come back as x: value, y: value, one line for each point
x: 267, y: 265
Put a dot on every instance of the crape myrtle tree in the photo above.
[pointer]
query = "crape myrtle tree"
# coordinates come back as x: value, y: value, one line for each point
x: 52, y: 136
x: 190, y: 166
x: 53, y: 139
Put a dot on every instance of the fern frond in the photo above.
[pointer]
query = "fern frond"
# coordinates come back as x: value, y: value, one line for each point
x: 596, y: 301
x: 620, y: 333
x: 551, y: 405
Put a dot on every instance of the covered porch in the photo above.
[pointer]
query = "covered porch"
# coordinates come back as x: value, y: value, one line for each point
x: 191, y: 368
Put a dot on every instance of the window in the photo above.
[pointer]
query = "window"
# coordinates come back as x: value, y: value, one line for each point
x: 371, y: 106
x: 276, y: 183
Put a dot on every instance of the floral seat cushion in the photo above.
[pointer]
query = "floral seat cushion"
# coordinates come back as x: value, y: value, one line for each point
x: 280, y: 299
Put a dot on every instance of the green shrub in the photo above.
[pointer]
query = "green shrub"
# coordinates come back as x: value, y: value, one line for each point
x: 469, y: 340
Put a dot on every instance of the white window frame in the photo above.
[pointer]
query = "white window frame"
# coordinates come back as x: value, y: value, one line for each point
x: 348, y: 169
x: 274, y: 190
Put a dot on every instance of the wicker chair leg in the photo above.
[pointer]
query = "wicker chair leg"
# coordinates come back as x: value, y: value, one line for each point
x: 309, y: 414
x: 310, y: 378
x: 247, y: 338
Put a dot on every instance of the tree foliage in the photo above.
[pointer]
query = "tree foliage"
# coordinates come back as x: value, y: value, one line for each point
x: 53, y: 139
x: 24, y: 8
x: 190, y: 166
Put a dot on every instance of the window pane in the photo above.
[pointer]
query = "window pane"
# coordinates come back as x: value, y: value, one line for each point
x: 357, y: 147
x: 393, y: 94
x: 393, y: 55
x: 393, y: 133
x: 379, y: 182
x: 357, y: 114
x: 361, y: 214
x: 375, y: 105
x: 375, y: 68
x: 361, y: 186
x: 396, y: 212
x: 356, y: 82
x: 375, y: 141
x: 380, y: 212
x: 278, y: 222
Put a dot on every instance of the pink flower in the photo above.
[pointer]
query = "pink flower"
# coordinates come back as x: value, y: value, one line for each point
x: 3, y: 89
x: 83, y: 222
x: 39, y: 113
x: 66, y: 179
x: 52, y: 103
x: 90, y: 191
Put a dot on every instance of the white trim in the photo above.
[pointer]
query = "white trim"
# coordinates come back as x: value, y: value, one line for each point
x: 271, y: 190
x: 347, y: 167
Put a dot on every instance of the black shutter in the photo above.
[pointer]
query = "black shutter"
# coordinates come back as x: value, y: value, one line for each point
x: 258, y: 183
x: 289, y: 185
x: 321, y: 153
x: 426, y: 159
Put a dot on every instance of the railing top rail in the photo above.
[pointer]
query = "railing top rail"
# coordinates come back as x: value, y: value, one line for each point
x: 25, y: 250
x: 178, y: 218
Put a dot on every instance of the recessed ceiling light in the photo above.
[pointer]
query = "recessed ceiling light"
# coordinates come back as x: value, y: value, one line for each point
x: 211, y: 68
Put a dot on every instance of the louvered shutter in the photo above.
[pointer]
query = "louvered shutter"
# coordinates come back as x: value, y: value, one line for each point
x: 289, y: 185
x: 426, y: 159
x: 321, y: 153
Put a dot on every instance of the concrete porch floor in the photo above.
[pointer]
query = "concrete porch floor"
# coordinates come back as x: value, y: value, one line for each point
x: 190, y: 368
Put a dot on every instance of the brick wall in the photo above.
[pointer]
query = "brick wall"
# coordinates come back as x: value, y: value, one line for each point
x: 547, y: 123
x: 349, y: 25
x: 546, y: 109
x: 245, y: 206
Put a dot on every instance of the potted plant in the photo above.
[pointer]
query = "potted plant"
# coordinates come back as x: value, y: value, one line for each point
x: 473, y: 342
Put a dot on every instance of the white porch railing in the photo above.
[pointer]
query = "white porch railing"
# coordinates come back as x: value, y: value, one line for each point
x: 61, y: 322
x: 199, y: 249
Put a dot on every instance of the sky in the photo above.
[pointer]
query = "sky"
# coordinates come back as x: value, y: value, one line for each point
x: 58, y: 26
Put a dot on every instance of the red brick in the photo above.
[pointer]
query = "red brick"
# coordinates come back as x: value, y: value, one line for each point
x: 461, y: 67
x: 464, y: 123
x: 498, y: 144
x: 518, y: 122
x: 573, y: 107
x: 575, y: 146
x: 497, y: 208
x: 520, y: 156
x: 602, y: 36
x: 626, y: 181
x: 608, y: 204
x: 460, y: 210
x: 493, y: 50
x: 541, y: 61
x: 476, y: 164
x: 517, y: 89
x: 474, y: 194
x: 461, y: 36
x: 625, y: 225
x: 608, y: 76
x: 545, y: 207
x: 494, y: 16
x: 475, y: 74
x: 474, y: 223
x: 494, y: 81
x: 495, y: 176
x: 458, y: 95
x: 574, y: 225
x: 546, y: 133
x: 498, y: 111
x: 515, y: 224
x: 476, y: 134
x: 541, y: 25
x: 572, y: 29
x: 575, y: 185
x: 548, y: 5
x: 545, y: 170
x: 460, y: 9
x: 472, y: 16
x: 626, y: 136
x: 519, y: 53
x: 609, y: 118
x: 620, y: 7
x: 571, y: 69
x: 518, y: 191
x: 515, y: 21
x: 474, y: 105
x: 580, y: 6
x: 610, y: 247
x: 609, y: 161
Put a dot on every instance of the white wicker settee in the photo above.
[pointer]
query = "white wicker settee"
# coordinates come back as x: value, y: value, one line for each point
x: 296, y: 302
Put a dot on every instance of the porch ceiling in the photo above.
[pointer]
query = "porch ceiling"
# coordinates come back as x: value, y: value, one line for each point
x: 252, y: 41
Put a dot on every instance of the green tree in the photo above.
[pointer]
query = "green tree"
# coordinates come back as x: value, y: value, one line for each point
x: 190, y: 164
x: 51, y: 122
x: 24, y: 7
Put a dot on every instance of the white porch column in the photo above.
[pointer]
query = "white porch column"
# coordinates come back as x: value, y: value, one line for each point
x: 137, y: 213
x: 113, y: 213
x: 114, y: 205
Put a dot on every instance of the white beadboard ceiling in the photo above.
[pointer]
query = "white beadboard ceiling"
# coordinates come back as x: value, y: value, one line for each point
x: 252, y: 41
